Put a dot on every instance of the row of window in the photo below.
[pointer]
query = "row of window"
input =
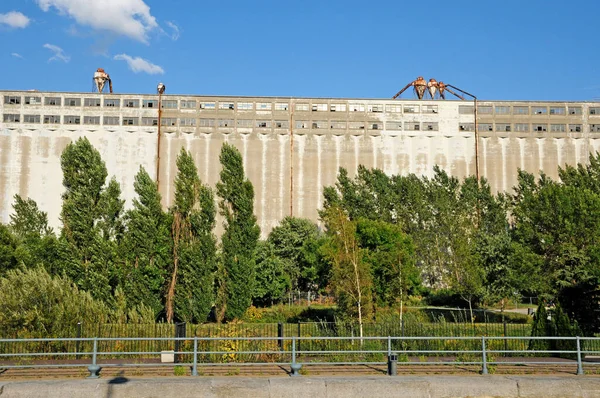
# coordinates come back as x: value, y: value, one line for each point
x: 527, y: 110
x: 75, y: 119
x: 526, y: 127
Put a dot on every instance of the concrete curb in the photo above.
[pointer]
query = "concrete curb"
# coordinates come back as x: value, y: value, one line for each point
x: 318, y: 387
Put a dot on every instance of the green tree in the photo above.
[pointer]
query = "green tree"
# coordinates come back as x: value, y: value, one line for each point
x: 27, y: 220
x: 272, y: 280
x: 351, y: 278
x: 84, y: 175
x: 8, y: 246
x: 239, y: 240
x: 294, y: 239
x: 146, y: 247
x: 191, y: 281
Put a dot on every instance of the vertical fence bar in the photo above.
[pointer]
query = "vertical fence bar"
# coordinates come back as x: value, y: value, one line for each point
x: 94, y: 369
x: 294, y: 366
x: 195, y: 366
x: 579, y: 364
x: 484, y: 369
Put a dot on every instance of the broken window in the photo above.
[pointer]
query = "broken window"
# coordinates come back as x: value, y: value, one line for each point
x: 430, y: 109
x: 301, y: 124
x: 72, y: 101
x: 338, y: 125
x: 111, y: 121
x: 188, y: 104
x: 245, y: 106
x: 12, y: 118
x: 557, y: 110
x: 375, y: 125
x: 226, y: 105
x: 393, y: 125
x: 466, y: 127
x: 187, y: 121
x: 539, y: 110
x: 540, y: 127
x: 91, y: 120
x: 377, y: 108
x: 51, y: 119
x: 91, y: 102
x: 263, y: 106
x: 412, y: 126
x: 12, y: 100
x: 245, y: 123
x: 207, y: 105
x: 302, y: 107
x: 112, y: 103
x: 575, y: 128
x: 594, y: 111
x: 33, y: 100
x: 337, y: 108
x: 263, y: 124
x: 168, y: 121
x: 520, y: 110
x: 225, y: 123
x: 393, y: 108
x: 52, y: 101
x: 357, y: 108
x: 281, y: 106
x: 502, y: 110
x: 131, y: 121
x: 149, y: 121
x: 319, y: 124
x: 595, y: 128
x: 411, y: 109
x: 282, y: 124
x: 430, y: 126
x: 484, y: 110
x: 574, y: 110
x: 522, y: 127
x: 356, y: 125
x: 169, y: 104
x: 485, y: 127
x: 149, y: 104
x: 558, y: 128
x: 503, y: 127
x: 319, y: 107
x: 31, y: 118
x: 70, y: 119
x: 207, y: 122
x: 131, y: 103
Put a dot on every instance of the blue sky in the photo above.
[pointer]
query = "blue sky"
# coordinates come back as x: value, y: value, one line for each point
x: 512, y: 49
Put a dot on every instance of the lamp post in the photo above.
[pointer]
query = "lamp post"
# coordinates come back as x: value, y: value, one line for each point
x: 160, y: 89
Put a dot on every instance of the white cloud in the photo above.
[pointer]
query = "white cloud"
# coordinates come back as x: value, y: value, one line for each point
x: 59, y: 54
x: 14, y: 19
x: 138, y: 64
x: 175, y: 34
x: 129, y: 18
x: 17, y: 55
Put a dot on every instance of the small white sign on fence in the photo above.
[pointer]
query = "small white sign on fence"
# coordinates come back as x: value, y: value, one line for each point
x: 167, y: 356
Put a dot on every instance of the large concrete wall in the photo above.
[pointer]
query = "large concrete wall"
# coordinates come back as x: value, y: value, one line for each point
x: 298, y: 149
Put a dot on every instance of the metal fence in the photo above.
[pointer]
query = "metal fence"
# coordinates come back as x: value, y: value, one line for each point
x: 295, y: 352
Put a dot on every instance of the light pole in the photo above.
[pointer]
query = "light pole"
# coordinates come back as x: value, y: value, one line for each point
x: 160, y: 89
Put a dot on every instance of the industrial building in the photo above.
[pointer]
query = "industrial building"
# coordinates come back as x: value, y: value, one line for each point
x: 292, y: 147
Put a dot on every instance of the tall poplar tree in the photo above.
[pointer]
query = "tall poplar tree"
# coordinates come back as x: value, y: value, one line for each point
x: 190, y: 285
x: 146, y: 247
x: 239, y: 240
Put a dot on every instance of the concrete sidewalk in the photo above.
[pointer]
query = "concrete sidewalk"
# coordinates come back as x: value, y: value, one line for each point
x: 321, y: 387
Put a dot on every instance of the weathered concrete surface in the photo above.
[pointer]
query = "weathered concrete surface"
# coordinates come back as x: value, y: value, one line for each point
x: 321, y: 387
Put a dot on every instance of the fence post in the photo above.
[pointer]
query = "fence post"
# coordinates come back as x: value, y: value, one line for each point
x: 180, y: 331
x: 294, y: 366
x: 392, y: 365
x: 78, y: 335
x: 484, y: 369
x: 579, y: 364
x: 195, y: 366
x: 280, y: 335
x: 94, y: 369
x: 505, y: 334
